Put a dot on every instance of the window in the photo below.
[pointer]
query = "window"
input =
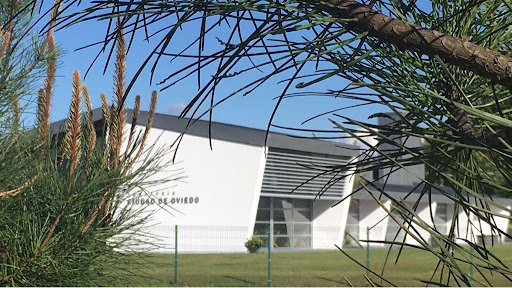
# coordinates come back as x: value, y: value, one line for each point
x: 288, y: 219
x: 376, y: 174
x: 262, y: 219
x: 441, y: 218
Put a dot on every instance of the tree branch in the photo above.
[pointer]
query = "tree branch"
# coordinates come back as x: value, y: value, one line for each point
x: 480, y: 60
x: 39, y: 249
x: 462, y: 123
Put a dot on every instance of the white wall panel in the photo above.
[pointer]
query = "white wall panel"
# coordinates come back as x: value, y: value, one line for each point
x: 220, y: 186
x: 372, y: 215
x: 327, y: 222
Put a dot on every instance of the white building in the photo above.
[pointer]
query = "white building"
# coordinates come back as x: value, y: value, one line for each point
x: 242, y: 186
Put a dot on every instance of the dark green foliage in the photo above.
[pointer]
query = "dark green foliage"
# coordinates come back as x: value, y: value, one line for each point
x: 64, y: 218
x: 70, y: 257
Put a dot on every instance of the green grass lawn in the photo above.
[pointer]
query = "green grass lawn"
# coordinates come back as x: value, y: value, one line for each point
x: 297, y: 269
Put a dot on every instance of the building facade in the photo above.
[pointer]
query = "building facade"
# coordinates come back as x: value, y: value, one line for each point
x: 235, y: 185
x: 241, y: 186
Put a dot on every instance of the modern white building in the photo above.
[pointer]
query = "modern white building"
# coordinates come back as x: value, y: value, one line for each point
x: 241, y: 186
x: 433, y: 208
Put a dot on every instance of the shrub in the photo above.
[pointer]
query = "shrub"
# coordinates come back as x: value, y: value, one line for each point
x: 254, y: 244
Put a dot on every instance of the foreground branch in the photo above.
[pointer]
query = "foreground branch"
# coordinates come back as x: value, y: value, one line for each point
x: 461, y: 122
x: 14, y: 192
x: 480, y: 60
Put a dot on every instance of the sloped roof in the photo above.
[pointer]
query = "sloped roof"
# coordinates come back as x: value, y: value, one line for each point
x: 233, y: 133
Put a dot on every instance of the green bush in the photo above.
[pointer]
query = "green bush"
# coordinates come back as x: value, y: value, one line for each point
x: 254, y: 244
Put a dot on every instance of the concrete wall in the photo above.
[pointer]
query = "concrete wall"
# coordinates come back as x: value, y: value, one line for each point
x: 327, y: 224
x: 330, y: 219
x: 424, y: 211
x: 400, y: 176
x: 373, y: 216
x: 220, y: 188
x: 371, y: 213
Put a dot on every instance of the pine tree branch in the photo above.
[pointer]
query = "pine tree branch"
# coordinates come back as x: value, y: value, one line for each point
x: 478, y: 59
x: 461, y: 122
x: 39, y: 249
x: 14, y: 192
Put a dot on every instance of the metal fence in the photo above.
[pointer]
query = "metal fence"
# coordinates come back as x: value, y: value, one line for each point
x: 182, y: 239
x: 180, y: 244
x: 231, y: 239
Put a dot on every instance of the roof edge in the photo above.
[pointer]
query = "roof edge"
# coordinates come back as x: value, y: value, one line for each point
x: 230, y: 133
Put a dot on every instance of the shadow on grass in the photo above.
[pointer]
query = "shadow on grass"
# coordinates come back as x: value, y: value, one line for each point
x: 331, y: 280
x: 239, y: 279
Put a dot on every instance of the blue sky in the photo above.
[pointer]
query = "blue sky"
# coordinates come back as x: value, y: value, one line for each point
x: 253, y: 110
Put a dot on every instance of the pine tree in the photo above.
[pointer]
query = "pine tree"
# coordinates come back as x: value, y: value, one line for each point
x: 64, y: 218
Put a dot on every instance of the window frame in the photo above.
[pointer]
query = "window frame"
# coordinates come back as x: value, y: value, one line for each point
x: 291, y: 234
